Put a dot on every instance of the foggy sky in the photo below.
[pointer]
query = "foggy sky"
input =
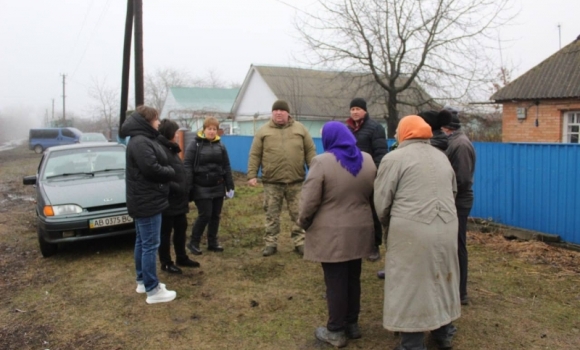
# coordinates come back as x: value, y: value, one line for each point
x: 83, y: 39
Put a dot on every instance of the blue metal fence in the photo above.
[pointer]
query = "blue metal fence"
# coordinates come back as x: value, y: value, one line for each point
x: 532, y: 186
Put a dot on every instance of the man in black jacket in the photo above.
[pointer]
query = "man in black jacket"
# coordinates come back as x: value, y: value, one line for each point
x: 370, y: 138
x: 147, y: 176
x: 461, y: 154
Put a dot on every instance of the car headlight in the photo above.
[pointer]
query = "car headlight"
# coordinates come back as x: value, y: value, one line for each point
x: 55, y: 210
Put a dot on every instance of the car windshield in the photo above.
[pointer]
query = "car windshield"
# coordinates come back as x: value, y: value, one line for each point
x: 84, y: 161
x: 93, y: 137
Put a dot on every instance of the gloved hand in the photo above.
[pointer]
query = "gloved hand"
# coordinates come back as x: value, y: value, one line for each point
x: 230, y: 194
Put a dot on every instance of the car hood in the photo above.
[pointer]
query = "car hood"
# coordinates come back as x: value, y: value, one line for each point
x: 88, y: 192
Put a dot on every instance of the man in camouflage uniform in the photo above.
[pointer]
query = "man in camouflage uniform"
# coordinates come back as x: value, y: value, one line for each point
x: 281, y: 148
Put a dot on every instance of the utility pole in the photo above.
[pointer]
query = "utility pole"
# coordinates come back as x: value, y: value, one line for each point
x: 139, y: 81
x: 63, y: 97
x: 126, y: 62
x: 53, y: 108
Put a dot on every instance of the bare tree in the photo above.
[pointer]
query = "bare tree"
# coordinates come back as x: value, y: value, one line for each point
x: 437, y: 45
x: 106, y: 103
x: 157, y: 85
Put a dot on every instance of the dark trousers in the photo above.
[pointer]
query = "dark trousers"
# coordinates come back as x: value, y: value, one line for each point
x: 177, y: 223
x: 377, y: 225
x: 462, y: 253
x: 209, y: 212
x: 342, y: 293
x: 416, y: 340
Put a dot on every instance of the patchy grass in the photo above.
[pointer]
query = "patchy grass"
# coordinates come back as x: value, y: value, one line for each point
x: 524, y: 295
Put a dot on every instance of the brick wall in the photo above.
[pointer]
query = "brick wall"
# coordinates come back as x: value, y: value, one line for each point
x: 550, y: 122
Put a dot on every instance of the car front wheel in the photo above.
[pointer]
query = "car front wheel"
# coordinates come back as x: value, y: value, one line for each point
x: 46, y: 249
x: 38, y: 149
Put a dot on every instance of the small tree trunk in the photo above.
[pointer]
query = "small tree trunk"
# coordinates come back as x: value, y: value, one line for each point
x: 393, y: 117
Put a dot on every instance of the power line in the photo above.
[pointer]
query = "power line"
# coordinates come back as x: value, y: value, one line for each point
x: 101, y: 16
x: 80, y: 31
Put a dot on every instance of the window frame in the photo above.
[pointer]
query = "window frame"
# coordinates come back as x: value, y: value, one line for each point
x: 566, y: 124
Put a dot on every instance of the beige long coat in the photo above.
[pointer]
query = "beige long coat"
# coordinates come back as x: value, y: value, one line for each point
x: 335, y: 210
x: 414, y: 199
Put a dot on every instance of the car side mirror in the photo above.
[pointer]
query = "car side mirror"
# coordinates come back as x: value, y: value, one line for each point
x: 29, y: 180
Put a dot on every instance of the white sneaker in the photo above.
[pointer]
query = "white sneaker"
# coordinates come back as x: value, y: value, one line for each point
x: 141, y: 287
x: 162, y: 296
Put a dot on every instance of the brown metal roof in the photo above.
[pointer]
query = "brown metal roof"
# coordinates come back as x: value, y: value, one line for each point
x: 327, y: 94
x: 556, y: 77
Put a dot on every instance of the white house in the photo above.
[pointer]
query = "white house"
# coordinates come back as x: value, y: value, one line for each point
x: 314, y: 96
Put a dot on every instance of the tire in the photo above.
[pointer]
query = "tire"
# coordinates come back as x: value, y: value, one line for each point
x: 38, y: 149
x: 46, y: 249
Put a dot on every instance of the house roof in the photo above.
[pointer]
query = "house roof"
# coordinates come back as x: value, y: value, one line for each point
x: 319, y: 93
x: 205, y: 99
x: 556, y: 77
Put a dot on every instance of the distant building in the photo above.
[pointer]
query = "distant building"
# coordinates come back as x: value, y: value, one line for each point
x: 314, y: 96
x: 543, y: 105
x: 189, y: 106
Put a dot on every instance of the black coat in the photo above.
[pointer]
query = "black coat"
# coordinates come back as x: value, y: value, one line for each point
x: 461, y: 154
x: 370, y: 138
x: 208, y: 170
x: 148, y: 171
x: 178, y: 188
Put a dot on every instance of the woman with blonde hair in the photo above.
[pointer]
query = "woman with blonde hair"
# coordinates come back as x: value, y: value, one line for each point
x: 414, y: 198
x: 208, y: 170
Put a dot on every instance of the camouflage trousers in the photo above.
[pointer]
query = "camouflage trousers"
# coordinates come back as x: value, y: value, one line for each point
x: 274, y: 195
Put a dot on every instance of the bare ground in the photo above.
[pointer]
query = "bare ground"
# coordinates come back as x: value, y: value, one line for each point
x: 524, y: 295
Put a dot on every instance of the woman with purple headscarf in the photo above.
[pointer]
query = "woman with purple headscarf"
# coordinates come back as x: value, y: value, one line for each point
x: 335, y: 211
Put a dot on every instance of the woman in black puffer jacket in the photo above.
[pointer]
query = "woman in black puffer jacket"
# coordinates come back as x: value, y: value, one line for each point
x: 147, y: 176
x: 174, y: 217
x: 207, y: 166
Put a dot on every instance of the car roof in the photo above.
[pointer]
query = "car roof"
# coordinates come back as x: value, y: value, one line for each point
x: 84, y: 145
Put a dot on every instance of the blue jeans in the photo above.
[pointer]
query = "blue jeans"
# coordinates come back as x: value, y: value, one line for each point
x: 146, y: 244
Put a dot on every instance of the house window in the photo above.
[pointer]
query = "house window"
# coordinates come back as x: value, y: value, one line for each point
x: 572, y: 127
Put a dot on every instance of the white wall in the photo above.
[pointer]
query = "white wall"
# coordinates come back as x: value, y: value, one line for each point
x: 256, y: 98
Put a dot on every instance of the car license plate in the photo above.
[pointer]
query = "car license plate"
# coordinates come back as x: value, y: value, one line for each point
x: 110, y: 221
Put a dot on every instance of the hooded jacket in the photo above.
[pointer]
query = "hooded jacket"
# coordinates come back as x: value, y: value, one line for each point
x: 370, y: 138
x: 147, y: 171
x: 207, y: 168
x: 178, y: 188
x: 281, y: 151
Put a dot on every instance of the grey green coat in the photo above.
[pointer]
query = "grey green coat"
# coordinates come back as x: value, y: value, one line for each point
x: 414, y: 199
x: 282, y: 152
x: 335, y: 210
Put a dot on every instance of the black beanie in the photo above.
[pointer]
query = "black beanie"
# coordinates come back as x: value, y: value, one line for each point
x: 436, y: 119
x: 359, y: 102
x: 454, y: 123
x: 281, y: 105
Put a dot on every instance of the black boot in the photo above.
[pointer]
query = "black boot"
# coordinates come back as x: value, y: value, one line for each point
x: 187, y: 262
x: 194, y: 248
x: 215, y: 248
x: 169, y: 267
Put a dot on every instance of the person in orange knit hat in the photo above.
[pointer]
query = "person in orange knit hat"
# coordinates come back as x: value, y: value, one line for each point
x: 415, y: 201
